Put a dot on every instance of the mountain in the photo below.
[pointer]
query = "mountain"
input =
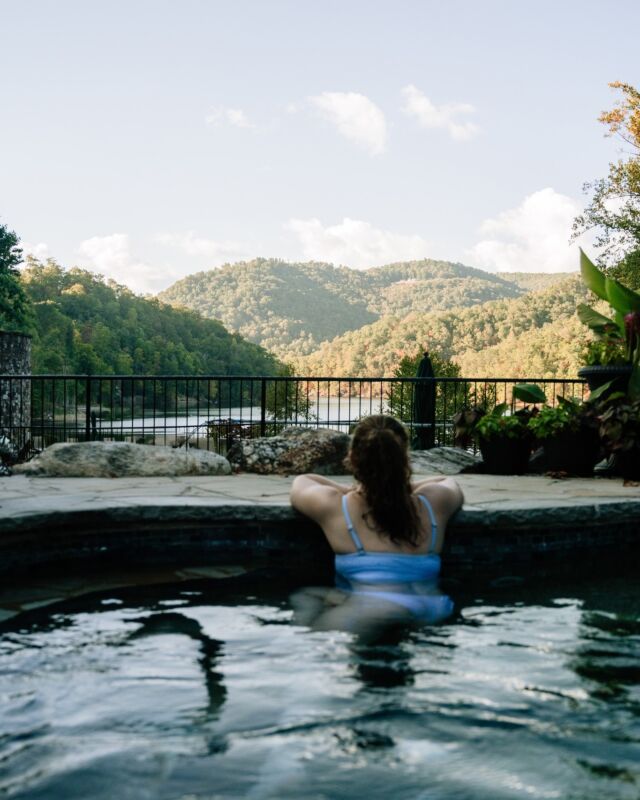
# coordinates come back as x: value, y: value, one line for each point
x: 86, y: 325
x: 291, y: 308
x: 555, y: 350
x: 376, y: 349
x: 535, y: 281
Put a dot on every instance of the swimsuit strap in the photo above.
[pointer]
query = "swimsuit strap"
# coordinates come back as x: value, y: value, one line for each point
x: 350, y: 528
x: 432, y: 517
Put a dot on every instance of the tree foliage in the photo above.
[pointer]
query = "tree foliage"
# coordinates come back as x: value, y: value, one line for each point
x: 614, y: 210
x: 15, y: 312
x: 400, y: 396
x: 292, y: 308
x: 84, y: 324
x: 463, y: 334
x: 287, y: 400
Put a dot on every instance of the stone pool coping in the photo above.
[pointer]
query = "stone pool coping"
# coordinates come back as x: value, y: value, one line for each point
x: 506, y: 520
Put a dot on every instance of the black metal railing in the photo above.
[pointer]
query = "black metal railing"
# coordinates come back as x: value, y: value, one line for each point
x: 212, y: 411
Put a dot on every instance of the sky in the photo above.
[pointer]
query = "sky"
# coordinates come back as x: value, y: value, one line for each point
x: 150, y: 139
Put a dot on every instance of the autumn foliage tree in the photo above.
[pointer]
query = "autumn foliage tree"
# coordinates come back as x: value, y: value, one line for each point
x: 614, y: 210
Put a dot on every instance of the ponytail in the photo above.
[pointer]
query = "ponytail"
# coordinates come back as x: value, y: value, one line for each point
x: 380, y: 461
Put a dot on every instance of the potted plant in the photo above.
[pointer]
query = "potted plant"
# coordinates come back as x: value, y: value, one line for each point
x: 568, y: 434
x: 504, y: 439
x: 613, y: 360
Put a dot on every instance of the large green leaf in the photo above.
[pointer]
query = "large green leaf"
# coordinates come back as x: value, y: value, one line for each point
x: 594, y: 319
x: 499, y: 410
x: 597, y: 393
x: 591, y: 275
x: 572, y: 403
x: 622, y: 299
x: 529, y: 393
x: 619, y: 318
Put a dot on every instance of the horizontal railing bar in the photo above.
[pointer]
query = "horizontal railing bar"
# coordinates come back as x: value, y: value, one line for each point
x: 287, y: 378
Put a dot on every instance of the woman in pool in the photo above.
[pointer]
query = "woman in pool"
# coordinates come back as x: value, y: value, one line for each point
x: 386, y: 532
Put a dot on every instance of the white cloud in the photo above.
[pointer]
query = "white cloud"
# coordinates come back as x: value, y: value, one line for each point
x: 534, y: 237
x: 210, y: 248
x: 111, y: 256
x: 356, y: 117
x: 446, y: 116
x: 39, y: 251
x: 355, y: 243
x: 232, y: 116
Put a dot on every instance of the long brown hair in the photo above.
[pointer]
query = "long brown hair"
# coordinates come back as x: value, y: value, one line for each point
x: 379, y: 458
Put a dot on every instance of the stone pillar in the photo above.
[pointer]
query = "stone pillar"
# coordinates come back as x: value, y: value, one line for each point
x: 15, y: 394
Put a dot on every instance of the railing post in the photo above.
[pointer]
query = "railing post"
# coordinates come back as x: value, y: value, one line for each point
x: 263, y: 406
x: 87, y: 409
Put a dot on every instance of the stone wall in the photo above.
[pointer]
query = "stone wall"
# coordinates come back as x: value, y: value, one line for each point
x: 15, y: 394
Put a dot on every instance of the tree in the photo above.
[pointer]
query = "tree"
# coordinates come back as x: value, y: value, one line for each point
x: 614, y: 209
x: 400, y: 396
x: 287, y: 400
x: 15, y: 310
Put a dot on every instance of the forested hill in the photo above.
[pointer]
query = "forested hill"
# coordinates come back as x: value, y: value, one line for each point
x: 87, y: 325
x: 376, y: 349
x: 291, y: 308
x: 535, y: 281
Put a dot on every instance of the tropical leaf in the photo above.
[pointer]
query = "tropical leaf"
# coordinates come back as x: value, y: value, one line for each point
x: 622, y: 299
x: 591, y: 275
x: 499, y: 410
x: 568, y: 402
x: 529, y: 393
x: 619, y: 317
x: 594, y: 319
x: 595, y: 394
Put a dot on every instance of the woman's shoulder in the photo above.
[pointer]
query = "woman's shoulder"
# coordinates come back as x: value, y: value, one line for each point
x: 315, y: 496
x: 443, y: 494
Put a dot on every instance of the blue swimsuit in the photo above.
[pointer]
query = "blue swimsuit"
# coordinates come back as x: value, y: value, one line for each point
x: 406, y: 576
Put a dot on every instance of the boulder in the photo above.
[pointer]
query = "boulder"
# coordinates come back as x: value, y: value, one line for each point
x: 293, y: 452
x: 121, y: 459
x: 443, y: 461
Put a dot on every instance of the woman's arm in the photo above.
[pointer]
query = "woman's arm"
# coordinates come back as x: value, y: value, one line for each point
x: 316, y: 496
x: 322, y: 481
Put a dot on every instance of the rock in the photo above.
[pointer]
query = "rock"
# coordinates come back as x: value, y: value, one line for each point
x: 121, y: 459
x: 295, y: 451
x: 443, y: 460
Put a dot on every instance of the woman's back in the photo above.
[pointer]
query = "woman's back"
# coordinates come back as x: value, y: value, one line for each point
x: 386, y: 533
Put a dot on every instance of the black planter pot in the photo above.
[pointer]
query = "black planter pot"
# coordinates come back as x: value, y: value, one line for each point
x: 575, y: 452
x: 503, y: 456
x: 597, y: 375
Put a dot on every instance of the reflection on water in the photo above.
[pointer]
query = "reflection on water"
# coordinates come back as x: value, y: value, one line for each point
x: 169, y: 623
x: 371, y: 611
x: 229, y: 689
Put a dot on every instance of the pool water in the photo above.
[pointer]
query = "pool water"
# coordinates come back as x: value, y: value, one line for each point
x: 215, y: 689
